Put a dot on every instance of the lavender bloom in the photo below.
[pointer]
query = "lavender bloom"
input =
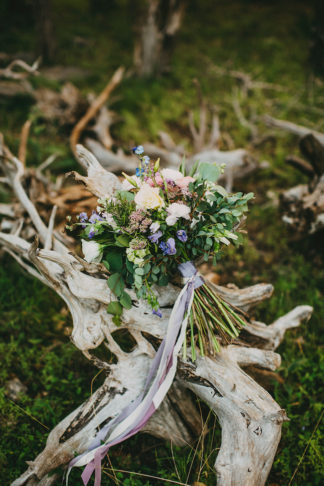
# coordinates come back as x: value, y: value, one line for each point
x: 95, y: 217
x: 182, y: 236
x: 169, y: 247
x: 157, y: 312
x: 92, y: 232
x: 154, y: 238
x: 138, y: 150
x: 83, y: 217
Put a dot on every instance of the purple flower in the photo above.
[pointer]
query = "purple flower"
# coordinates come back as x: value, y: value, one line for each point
x: 92, y: 232
x: 138, y: 150
x: 164, y: 247
x: 95, y: 217
x: 83, y: 217
x: 157, y: 312
x: 169, y: 247
x: 146, y: 159
x: 155, y: 237
x: 182, y: 236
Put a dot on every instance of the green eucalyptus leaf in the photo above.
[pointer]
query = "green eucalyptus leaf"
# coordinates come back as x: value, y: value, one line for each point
x: 125, y: 300
x: 115, y: 308
x: 209, y: 172
x: 128, y: 196
x: 139, y: 271
x: 116, y: 320
x: 221, y: 190
x: 122, y: 240
x: 163, y: 280
x: 113, y: 260
x: 147, y: 267
x: 116, y: 284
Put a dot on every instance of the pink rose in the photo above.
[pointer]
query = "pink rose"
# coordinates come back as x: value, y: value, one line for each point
x: 184, y: 182
x: 150, y: 182
x: 158, y: 179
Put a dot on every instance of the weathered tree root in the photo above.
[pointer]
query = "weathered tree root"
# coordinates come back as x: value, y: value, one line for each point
x: 250, y: 418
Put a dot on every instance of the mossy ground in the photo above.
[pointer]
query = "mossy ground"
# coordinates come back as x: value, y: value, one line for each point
x: 268, y: 40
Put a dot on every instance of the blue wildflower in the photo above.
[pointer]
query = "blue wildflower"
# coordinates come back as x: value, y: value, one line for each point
x: 139, y: 172
x: 139, y: 150
x: 182, y: 236
x: 169, y: 247
x: 154, y: 238
x: 146, y: 159
x: 164, y: 247
x: 157, y: 312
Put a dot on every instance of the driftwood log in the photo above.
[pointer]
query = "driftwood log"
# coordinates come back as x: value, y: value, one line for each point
x: 303, y: 205
x: 249, y: 417
x: 205, y: 138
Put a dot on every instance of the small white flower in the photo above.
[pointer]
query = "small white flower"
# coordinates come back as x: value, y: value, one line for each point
x: 194, y: 222
x: 171, y: 220
x: 139, y: 261
x: 92, y: 251
x: 171, y: 174
x: 110, y: 220
x: 154, y: 227
x: 176, y: 211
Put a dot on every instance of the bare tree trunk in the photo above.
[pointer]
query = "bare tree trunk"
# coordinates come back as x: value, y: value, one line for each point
x: 45, y: 29
x: 162, y: 21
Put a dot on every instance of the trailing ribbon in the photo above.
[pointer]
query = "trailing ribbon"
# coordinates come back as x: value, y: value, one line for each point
x: 160, y: 377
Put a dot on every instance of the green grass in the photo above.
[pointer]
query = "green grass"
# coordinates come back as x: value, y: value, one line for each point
x: 267, y: 39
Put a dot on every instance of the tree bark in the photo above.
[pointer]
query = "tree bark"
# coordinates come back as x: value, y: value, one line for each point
x: 45, y: 29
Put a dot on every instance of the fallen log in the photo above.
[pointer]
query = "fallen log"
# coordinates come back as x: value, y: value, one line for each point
x: 303, y: 205
x: 292, y: 128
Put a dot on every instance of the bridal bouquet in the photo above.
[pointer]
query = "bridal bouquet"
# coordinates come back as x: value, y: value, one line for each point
x: 154, y: 228
x: 148, y: 231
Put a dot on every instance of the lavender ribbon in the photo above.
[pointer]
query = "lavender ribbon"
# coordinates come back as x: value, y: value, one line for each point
x: 160, y: 377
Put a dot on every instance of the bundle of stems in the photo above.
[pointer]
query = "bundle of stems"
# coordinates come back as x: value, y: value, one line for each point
x: 211, y: 320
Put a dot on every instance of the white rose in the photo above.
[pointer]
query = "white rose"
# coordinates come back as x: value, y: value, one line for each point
x: 171, y: 174
x: 154, y: 227
x: 92, y: 251
x: 148, y: 198
x: 176, y: 211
